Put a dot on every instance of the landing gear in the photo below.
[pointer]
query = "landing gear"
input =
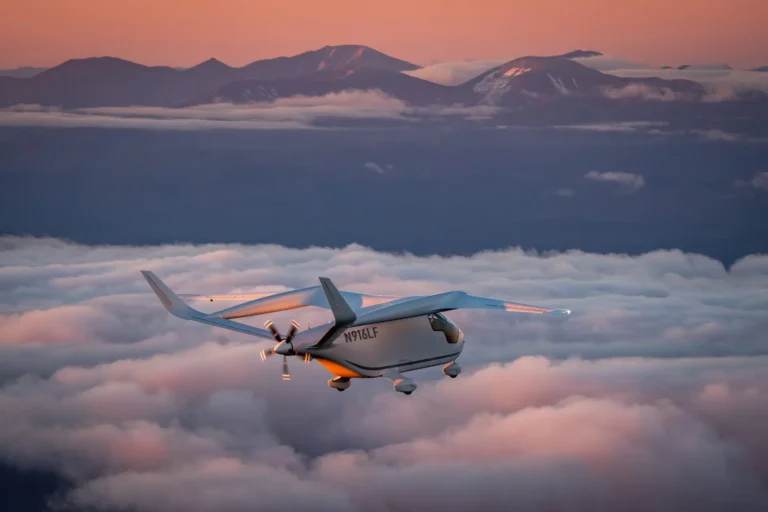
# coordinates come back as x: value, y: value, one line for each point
x: 339, y: 383
x: 452, y: 369
x: 405, y: 386
x: 401, y: 384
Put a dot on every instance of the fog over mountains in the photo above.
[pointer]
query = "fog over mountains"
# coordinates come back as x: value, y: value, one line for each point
x: 555, y: 87
x: 546, y: 153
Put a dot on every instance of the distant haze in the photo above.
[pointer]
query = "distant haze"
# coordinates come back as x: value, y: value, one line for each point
x: 184, y: 33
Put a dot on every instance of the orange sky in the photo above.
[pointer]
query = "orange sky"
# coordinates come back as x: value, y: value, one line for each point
x: 185, y: 32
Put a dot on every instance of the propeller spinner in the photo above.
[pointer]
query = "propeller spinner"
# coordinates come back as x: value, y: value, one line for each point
x: 284, y: 347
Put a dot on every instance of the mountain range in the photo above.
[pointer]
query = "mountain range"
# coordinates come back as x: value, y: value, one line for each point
x: 530, y: 84
x: 109, y: 81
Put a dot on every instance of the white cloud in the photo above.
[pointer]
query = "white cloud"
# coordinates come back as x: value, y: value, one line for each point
x: 373, y: 166
x: 145, y: 411
x: 454, y: 72
x: 734, y: 78
x: 760, y: 180
x: 643, y: 91
x: 618, y: 126
x: 627, y: 181
x: 717, y: 135
x: 297, y: 112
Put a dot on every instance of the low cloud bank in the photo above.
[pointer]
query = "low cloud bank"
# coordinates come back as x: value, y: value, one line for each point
x: 294, y: 113
x: 645, y: 92
x: 662, y: 129
x: 146, y: 412
x: 718, y: 78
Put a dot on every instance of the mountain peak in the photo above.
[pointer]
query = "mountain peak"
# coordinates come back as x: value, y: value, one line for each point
x: 327, y: 58
x: 211, y: 64
x: 91, y: 65
x: 534, y: 63
x: 347, y: 47
x: 105, y: 60
x: 532, y: 77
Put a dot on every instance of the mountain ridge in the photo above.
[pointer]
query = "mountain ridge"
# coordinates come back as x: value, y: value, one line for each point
x: 112, y: 81
x: 548, y: 87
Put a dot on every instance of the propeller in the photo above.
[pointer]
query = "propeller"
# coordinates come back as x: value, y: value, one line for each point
x: 284, y: 346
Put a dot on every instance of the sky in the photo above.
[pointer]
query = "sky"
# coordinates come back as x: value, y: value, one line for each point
x: 186, y: 32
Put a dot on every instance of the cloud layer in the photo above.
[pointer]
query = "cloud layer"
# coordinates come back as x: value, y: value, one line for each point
x: 297, y: 112
x: 144, y: 411
x: 454, y: 72
x: 723, y: 82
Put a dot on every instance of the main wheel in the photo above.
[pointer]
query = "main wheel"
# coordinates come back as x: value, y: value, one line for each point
x: 339, y: 389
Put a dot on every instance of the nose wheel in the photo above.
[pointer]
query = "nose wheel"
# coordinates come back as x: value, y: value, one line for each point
x: 339, y: 383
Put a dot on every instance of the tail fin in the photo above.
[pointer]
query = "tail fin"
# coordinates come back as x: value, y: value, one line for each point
x: 343, y: 313
x: 172, y: 303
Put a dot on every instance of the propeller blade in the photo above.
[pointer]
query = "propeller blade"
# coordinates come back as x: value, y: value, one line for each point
x: 286, y: 374
x: 267, y: 353
x: 271, y: 326
x: 292, y: 331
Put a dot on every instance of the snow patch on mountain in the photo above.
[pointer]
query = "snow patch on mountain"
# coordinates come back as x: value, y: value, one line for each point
x: 493, y: 87
x: 557, y: 83
x: 516, y: 71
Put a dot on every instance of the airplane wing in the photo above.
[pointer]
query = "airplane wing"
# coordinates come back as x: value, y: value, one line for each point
x: 231, y: 296
x: 448, y: 301
x: 177, y: 308
x: 313, y: 296
x: 261, y: 303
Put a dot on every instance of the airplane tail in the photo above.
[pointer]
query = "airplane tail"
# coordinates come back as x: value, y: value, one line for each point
x: 170, y: 300
x: 343, y: 314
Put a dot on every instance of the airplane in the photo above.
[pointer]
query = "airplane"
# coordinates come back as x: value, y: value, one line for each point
x: 370, y: 335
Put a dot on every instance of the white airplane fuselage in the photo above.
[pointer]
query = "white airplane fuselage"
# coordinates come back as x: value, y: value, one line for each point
x: 370, y: 335
x: 399, y: 345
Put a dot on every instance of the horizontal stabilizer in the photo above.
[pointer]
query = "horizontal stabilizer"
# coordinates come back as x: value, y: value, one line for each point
x: 172, y: 303
x: 177, y: 308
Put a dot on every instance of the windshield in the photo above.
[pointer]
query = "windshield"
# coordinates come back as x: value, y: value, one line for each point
x: 441, y: 323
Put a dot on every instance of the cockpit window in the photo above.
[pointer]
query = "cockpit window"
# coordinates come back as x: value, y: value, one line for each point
x: 441, y: 323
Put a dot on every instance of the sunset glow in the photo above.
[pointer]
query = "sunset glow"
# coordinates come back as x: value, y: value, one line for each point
x: 186, y: 32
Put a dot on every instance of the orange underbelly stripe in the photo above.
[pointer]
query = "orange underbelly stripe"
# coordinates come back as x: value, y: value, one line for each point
x: 337, y: 369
